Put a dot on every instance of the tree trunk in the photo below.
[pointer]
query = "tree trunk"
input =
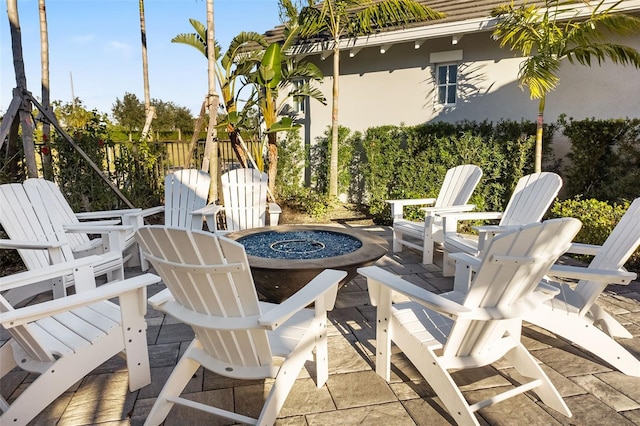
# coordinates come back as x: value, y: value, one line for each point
x: 539, y: 129
x: 333, y: 156
x: 145, y: 65
x: 210, y: 160
x: 47, y: 169
x: 273, y: 162
x: 21, y: 81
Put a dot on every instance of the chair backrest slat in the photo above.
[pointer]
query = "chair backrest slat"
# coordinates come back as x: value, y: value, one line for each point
x: 531, y: 198
x: 502, y: 286
x: 614, y: 253
x: 245, y: 198
x: 185, y: 191
x: 24, y: 219
x: 218, y: 294
x: 458, y: 185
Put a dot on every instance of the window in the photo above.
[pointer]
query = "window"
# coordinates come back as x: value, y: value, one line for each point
x: 447, y: 82
x: 298, y: 101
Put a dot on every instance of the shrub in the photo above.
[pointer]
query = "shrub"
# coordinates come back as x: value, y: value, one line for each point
x: 598, y: 220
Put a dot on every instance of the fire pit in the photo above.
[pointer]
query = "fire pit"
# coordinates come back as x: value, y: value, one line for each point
x: 285, y: 258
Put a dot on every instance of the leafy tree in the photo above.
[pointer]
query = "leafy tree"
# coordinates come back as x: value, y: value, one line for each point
x: 547, y: 35
x: 338, y: 19
x: 129, y: 113
x: 237, y: 61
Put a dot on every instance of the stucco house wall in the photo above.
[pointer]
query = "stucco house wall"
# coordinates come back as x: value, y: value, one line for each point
x: 398, y: 87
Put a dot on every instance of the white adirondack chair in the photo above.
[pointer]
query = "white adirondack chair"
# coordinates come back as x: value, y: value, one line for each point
x: 210, y: 287
x: 36, y: 232
x: 244, y: 197
x: 457, y: 187
x: 438, y: 334
x: 531, y: 198
x: 47, y: 198
x: 574, y: 315
x: 64, y: 339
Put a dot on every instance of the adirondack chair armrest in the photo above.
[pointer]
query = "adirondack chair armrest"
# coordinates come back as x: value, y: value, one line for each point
x: 322, y: 290
x: 160, y: 298
x: 104, y: 222
x: 591, y: 274
x: 104, y: 292
x: 397, y: 206
x: 88, y: 228
x: 106, y: 214
x: 378, y: 277
x: 274, y: 208
x: 581, y: 248
x: 432, y: 211
x: 450, y: 220
x: 274, y: 214
x: 487, y: 232
x: 54, y: 271
x: 148, y: 212
x: 208, y: 213
x: 465, y: 265
x: 35, y: 245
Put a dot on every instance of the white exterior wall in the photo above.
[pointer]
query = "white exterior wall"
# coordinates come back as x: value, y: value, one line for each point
x: 397, y: 87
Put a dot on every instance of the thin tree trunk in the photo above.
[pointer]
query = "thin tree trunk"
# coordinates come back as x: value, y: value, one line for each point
x: 539, y: 130
x: 333, y: 162
x: 21, y: 81
x: 273, y: 163
x: 210, y: 160
x: 47, y: 169
x: 148, y: 111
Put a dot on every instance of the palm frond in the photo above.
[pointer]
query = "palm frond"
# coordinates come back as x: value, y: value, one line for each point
x: 192, y: 40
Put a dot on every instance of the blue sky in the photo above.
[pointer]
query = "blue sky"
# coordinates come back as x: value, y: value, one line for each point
x: 98, y: 43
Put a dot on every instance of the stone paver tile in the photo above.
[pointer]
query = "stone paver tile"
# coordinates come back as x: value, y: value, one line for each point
x: 564, y: 386
x: 569, y: 361
x: 402, y: 369
x: 351, y: 299
x: 291, y: 421
x: 606, y: 393
x: 412, y: 389
x: 214, y: 381
x: 159, y: 377
x: 344, y: 356
x: 369, y: 313
x: 408, y: 268
x: 358, y: 389
x: 52, y: 413
x: 479, y: 378
x: 164, y: 355
x: 171, y: 333
x: 633, y: 416
x: 430, y: 412
x: 152, y: 333
x: 141, y: 411
x: 249, y: 400
x: 181, y: 416
x: 11, y: 381
x: 520, y: 409
x: 342, y: 315
x: 306, y: 398
x: 628, y: 385
x: 375, y: 415
x: 100, y: 398
x: 366, y: 338
x: 588, y: 410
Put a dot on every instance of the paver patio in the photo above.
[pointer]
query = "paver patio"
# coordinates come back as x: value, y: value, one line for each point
x: 354, y: 394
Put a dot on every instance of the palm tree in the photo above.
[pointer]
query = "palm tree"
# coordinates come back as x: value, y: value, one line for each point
x: 145, y: 73
x: 237, y: 61
x: 547, y: 35
x: 44, y: 62
x: 352, y: 18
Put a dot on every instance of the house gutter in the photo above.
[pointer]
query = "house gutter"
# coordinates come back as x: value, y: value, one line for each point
x: 420, y: 34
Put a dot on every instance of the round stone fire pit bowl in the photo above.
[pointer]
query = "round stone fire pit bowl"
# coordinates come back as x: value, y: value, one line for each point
x: 286, y: 257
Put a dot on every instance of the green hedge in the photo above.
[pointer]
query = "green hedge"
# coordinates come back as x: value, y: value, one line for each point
x: 598, y: 220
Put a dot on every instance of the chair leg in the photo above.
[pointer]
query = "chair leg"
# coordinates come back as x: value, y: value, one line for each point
x: 577, y: 330
x: 59, y: 377
x: 527, y: 366
x: 322, y: 356
x: 285, y: 380
x: 178, y: 380
x: 397, y: 237
x: 448, y: 265
x: 428, y: 249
